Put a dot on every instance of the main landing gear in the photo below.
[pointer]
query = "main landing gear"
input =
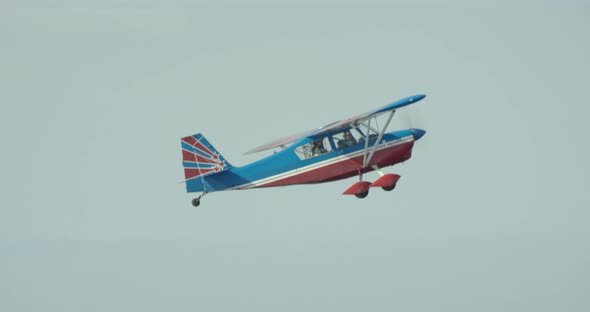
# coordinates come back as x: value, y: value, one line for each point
x: 361, y: 189
x: 365, y: 193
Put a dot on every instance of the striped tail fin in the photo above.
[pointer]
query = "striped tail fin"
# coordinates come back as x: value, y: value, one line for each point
x: 200, y: 158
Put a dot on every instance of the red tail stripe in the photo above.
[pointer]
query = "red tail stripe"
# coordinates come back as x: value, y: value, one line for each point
x: 189, y: 139
x: 190, y: 173
x: 188, y: 156
x: 194, y: 143
x: 203, y: 148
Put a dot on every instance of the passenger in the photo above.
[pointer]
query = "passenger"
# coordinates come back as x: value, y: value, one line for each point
x: 317, y: 148
x: 347, y: 141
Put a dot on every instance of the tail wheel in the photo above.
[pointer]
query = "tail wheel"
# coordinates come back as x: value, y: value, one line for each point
x: 196, y: 202
x: 389, y: 188
x: 362, y: 195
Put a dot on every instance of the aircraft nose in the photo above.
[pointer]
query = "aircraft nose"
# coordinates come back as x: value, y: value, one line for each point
x: 418, y: 133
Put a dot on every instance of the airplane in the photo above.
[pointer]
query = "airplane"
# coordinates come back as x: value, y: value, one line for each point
x: 342, y: 149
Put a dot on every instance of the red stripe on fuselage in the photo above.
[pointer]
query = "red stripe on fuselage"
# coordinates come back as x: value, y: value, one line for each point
x: 348, y: 167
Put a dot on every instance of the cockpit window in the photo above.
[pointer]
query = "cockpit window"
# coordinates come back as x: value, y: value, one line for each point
x: 346, y: 139
x: 314, y: 149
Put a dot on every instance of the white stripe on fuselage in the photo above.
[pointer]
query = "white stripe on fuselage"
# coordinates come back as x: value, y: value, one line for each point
x: 318, y: 165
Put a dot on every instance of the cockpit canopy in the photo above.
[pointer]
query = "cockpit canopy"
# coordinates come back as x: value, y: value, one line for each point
x: 328, y: 143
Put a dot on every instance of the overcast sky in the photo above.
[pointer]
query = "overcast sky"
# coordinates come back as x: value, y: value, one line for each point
x: 491, y: 212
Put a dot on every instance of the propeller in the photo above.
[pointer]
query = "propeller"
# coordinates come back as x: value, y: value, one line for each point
x: 411, y: 117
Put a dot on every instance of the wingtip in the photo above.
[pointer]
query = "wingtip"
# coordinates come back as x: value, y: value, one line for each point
x: 418, y: 97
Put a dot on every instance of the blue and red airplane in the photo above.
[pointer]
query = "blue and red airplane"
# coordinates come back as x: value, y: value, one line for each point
x: 340, y: 150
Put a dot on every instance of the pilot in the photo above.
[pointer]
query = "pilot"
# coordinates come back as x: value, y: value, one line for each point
x: 317, y: 148
x: 347, y: 141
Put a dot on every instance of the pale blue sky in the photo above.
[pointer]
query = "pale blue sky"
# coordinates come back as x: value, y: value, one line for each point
x: 491, y: 212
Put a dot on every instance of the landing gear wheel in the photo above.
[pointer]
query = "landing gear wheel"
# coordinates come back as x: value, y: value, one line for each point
x: 389, y: 188
x: 362, y: 195
x: 196, y: 202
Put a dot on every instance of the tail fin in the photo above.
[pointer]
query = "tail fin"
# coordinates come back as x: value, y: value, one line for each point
x: 200, y: 158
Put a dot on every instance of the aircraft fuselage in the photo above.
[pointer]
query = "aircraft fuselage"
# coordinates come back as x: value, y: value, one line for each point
x: 286, y: 168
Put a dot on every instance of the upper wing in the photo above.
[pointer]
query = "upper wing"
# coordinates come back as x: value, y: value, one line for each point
x: 351, y: 122
x: 338, y: 125
x: 280, y: 142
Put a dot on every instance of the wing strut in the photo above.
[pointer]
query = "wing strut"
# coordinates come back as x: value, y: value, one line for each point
x: 369, y: 126
x: 367, y: 158
x: 367, y: 135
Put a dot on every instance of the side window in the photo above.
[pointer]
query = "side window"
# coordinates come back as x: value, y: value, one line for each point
x: 326, y: 144
x: 347, y: 138
x: 303, y: 151
x: 313, y: 149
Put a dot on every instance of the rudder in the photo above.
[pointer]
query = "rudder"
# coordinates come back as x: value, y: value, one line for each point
x: 200, y: 158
